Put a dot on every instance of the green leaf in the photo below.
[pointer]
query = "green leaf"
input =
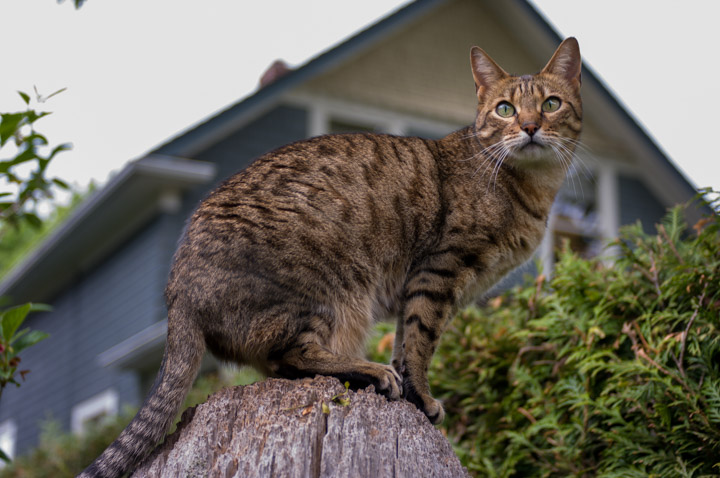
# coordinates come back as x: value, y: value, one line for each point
x: 9, y: 124
x: 53, y: 94
x: 58, y: 149
x: 60, y: 183
x: 4, y: 457
x: 12, y: 318
x: 20, y: 334
x: 28, y: 339
x: 25, y: 97
x: 33, y: 219
x: 35, y: 139
x: 24, y: 156
x: 33, y: 116
x: 35, y: 307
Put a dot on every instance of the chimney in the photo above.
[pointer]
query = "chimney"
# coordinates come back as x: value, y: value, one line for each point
x: 276, y: 71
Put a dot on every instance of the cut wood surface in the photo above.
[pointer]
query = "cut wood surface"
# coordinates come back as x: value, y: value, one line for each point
x: 303, y: 428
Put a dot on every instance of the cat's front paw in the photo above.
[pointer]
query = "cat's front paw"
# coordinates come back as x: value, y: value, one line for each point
x: 432, y: 408
x: 389, y: 383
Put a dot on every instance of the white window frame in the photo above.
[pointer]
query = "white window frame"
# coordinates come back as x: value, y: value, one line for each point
x: 8, y: 438
x: 322, y: 111
x: 607, y: 196
x: 103, y: 404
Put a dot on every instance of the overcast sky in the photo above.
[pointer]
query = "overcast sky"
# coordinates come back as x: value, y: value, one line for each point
x: 138, y: 72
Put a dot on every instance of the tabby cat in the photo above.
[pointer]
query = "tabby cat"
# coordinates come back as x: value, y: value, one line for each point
x: 287, y: 264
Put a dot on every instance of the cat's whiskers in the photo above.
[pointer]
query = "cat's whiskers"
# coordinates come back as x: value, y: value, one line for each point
x: 485, y: 151
x: 494, y: 155
x: 565, y: 150
x: 576, y: 143
x: 504, y: 153
x: 488, y: 154
x: 577, y: 163
x: 472, y: 134
x: 579, y: 160
x: 486, y: 162
x: 565, y: 153
x: 565, y: 157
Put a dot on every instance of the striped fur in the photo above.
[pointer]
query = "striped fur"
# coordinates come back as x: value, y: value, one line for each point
x: 286, y: 265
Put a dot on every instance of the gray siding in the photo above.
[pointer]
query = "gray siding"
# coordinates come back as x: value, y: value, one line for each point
x: 276, y: 128
x: 637, y: 202
x: 107, y: 305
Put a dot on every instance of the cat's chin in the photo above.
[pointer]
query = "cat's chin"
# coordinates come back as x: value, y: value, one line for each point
x: 532, y: 151
x: 532, y: 155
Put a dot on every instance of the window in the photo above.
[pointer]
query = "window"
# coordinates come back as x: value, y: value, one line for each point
x: 339, y: 116
x: 94, y: 410
x: 8, y: 438
x: 575, y: 217
x: 585, y: 214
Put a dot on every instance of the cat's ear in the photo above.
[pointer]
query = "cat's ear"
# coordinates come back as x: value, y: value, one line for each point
x: 566, y: 62
x: 485, y: 71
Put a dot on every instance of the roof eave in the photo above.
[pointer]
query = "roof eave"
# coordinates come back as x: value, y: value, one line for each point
x: 101, y: 222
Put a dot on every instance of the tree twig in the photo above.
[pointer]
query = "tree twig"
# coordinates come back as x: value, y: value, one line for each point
x: 663, y: 231
x: 687, y: 330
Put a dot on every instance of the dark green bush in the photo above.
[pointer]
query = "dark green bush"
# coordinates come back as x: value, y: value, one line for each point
x: 609, y: 369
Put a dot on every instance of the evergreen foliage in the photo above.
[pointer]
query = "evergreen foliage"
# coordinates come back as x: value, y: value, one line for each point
x: 608, y: 369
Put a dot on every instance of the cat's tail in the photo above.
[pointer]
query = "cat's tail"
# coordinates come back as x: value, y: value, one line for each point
x: 181, y: 362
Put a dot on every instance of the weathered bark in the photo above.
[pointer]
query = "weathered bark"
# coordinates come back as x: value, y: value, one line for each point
x: 303, y: 428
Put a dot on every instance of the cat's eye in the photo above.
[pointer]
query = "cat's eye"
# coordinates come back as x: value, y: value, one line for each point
x: 551, y: 104
x: 505, y: 109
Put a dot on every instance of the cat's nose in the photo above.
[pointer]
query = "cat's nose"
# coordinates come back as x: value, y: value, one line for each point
x: 530, y: 127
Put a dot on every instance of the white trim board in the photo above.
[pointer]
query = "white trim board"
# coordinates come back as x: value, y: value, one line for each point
x: 106, y: 403
x: 322, y: 109
x: 8, y: 438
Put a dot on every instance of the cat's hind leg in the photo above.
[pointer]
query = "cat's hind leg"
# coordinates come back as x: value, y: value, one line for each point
x: 307, y: 359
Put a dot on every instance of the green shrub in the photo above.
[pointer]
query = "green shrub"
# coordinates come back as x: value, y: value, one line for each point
x: 207, y: 384
x: 63, y: 455
x: 607, y: 370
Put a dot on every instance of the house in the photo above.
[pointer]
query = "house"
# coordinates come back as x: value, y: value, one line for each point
x: 104, y: 270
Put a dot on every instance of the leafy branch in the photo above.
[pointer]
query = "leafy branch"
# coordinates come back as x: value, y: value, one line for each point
x: 25, y: 170
x: 12, y: 341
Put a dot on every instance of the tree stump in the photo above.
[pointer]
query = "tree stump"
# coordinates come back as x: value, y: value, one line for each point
x: 303, y: 428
